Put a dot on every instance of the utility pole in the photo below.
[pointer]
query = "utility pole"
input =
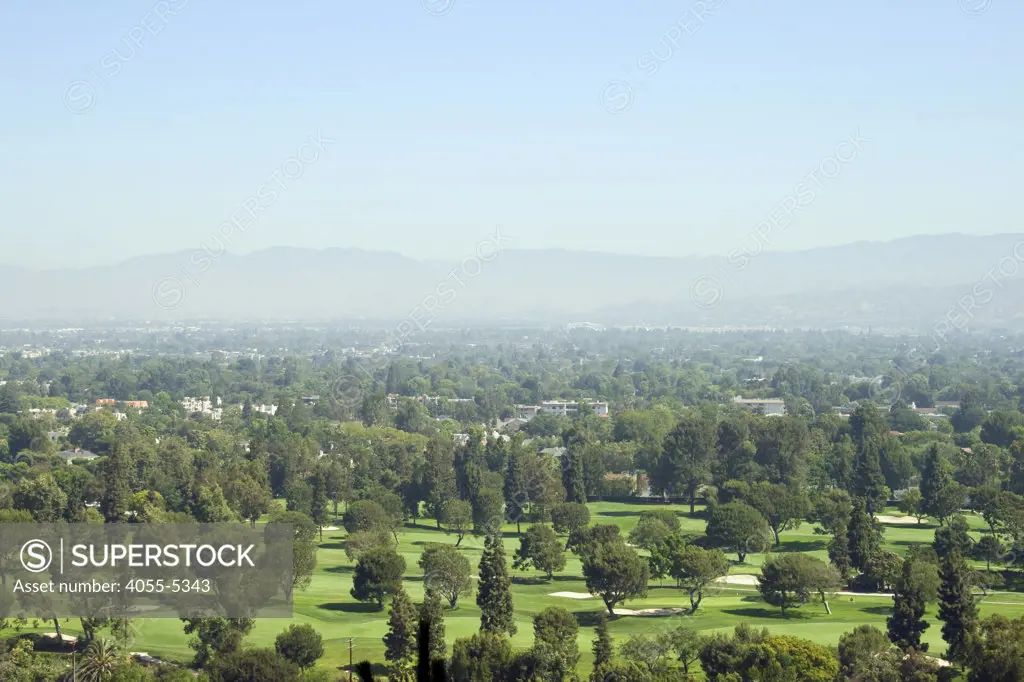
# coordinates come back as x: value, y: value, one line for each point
x: 349, y: 659
x: 74, y: 663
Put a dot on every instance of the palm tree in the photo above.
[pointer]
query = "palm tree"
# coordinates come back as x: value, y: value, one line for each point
x: 99, y: 661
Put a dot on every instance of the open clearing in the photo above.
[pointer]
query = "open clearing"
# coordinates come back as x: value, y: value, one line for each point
x: 327, y: 605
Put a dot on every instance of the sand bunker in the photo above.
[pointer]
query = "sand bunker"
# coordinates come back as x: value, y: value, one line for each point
x: 741, y: 579
x: 331, y: 528
x: 650, y: 612
x: 882, y: 518
x: 572, y: 595
x: 66, y: 638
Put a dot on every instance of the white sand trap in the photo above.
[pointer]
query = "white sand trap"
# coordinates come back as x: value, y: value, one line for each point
x: 572, y: 595
x: 882, y: 518
x: 650, y: 612
x: 331, y: 528
x: 66, y: 638
x: 741, y: 579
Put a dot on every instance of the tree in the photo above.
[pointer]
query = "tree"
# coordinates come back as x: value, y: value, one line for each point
x: 572, y: 475
x: 358, y: 543
x: 569, y: 518
x: 782, y: 507
x: 865, y: 535
x: 650, y: 651
x: 494, y: 596
x: 859, y: 648
x: 488, y: 510
x: 789, y: 580
x: 687, y: 644
x: 400, y: 641
x: 446, y: 572
x: 957, y: 609
x: 484, y: 656
x: 303, y: 548
x: 939, y: 493
x: 42, y: 498
x: 253, y: 665
x: 318, y: 506
x: 953, y: 537
x: 995, y: 652
x: 365, y: 515
x: 378, y: 574
x: 439, y: 476
x: 554, y: 643
x: 432, y: 611
x: 99, y: 660
x: 839, y: 551
x: 540, y: 549
x: 988, y: 549
x: 458, y: 517
x: 739, y: 528
x: 649, y: 532
x: 300, y: 644
x: 696, y: 568
x: 615, y: 573
x: 907, y: 623
x: 910, y: 504
x: 215, y: 637
x: 685, y: 463
x: 602, y: 647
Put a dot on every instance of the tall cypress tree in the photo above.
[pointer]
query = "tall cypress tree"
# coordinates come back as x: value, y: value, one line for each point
x: 400, y: 642
x: 433, y: 611
x: 935, y: 475
x: 957, y: 610
x: 572, y: 475
x: 865, y: 536
x: 318, y: 508
x: 839, y: 550
x: 603, y: 650
x: 907, y: 623
x: 494, y: 596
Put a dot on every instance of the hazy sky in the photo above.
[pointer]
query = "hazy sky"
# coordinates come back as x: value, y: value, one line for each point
x: 451, y: 118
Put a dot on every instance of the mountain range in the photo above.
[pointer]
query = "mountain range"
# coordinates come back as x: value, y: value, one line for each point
x: 907, y: 284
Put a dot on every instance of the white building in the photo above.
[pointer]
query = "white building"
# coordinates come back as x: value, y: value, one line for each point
x: 772, y: 407
x: 566, y: 408
x: 265, y: 409
x: 203, y: 406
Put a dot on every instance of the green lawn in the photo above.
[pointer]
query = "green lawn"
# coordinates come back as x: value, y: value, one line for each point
x: 328, y: 606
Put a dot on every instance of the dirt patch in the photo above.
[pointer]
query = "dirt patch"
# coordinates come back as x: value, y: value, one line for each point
x: 572, y: 595
x: 741, y: 579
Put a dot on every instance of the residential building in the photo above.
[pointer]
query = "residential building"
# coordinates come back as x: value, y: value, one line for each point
x: 77, y: 453
x: 562, y: 408
x: 105, y: 402
x: 137, y: 404
x: 772, y: 407
x: 265, y: 409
